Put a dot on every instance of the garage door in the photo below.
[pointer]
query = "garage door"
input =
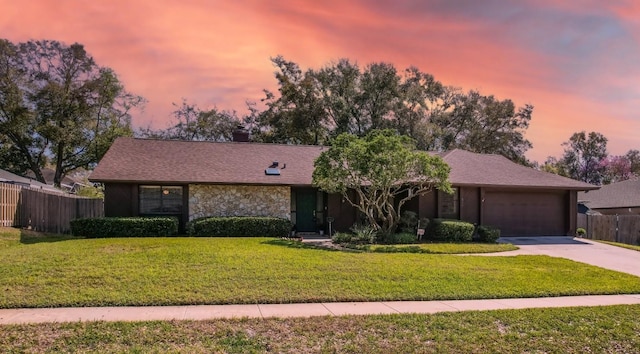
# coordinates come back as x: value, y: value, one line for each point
x: 526, y: 213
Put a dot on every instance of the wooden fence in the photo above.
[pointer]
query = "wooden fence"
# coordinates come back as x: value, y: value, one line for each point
x: 44, y: 211
x: 614, y: 228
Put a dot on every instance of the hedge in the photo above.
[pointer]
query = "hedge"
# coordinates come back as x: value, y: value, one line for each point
x: 125, y: 227
x: 247, y: 226
x: 450, y: 230
x: 488, y: 234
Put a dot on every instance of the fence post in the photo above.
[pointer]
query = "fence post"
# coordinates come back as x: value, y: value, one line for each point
x: 617, y: 228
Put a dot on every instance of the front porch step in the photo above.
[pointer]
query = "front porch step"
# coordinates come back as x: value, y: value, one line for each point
x: 312, y: 236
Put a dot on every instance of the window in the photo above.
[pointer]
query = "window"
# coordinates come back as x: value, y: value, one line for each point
x: 160, y: 199
x: 448, y: 205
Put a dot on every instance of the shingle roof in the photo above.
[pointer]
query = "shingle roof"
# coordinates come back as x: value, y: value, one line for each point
x: 625, y: 194
x: 8, y: 177
x: 164, y: 161
x: 472, y: 169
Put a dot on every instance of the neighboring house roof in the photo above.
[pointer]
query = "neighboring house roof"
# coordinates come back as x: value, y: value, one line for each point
x: 170, y: 161
x: 8, y: 177
x: 68, y: 183
x: 625, y: 194
x: 473, y: 169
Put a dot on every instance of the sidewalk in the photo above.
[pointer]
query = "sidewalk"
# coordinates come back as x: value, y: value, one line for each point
x: 205, y: 312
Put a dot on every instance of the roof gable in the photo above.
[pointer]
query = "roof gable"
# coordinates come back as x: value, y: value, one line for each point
x: 182, y: 162
x: 469, y: 168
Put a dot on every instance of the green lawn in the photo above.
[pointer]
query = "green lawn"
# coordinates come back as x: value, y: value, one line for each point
x: 171, y: 271
x: 611, y: 329
x: 623, y: 245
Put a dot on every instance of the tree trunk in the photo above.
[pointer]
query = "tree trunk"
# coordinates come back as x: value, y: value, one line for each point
x: 57, y: 178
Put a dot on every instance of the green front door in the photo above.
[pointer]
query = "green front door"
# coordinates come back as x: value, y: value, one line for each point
x: 306, y: 210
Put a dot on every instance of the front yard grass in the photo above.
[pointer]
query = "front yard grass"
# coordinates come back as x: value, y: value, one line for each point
x: 178, y: 271
x: 611, y: 329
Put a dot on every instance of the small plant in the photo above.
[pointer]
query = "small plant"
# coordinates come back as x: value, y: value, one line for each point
x: 581, y: 232
x: 363, y: 233
x: 488, y: 234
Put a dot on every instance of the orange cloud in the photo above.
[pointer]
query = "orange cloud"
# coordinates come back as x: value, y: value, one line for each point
x: 576, y: 65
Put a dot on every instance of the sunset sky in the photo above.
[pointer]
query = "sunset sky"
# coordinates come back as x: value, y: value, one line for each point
x: 579, y: 65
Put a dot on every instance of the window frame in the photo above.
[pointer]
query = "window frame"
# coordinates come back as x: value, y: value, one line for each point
x: 167, y: 205
x: 454, y: 201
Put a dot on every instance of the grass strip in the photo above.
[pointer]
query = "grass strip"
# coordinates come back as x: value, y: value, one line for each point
x: 610, y: 329
x: 623, y: 245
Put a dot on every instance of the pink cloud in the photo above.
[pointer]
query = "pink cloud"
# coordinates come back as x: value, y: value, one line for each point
x: 218, y: 53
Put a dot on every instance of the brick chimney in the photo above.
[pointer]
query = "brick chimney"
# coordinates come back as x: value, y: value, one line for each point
x: 240, y: 134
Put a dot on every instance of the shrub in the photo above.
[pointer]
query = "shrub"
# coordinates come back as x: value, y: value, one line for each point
x: 394, y: 249
x: 341, y: 237
x: 408, y: 221
x: 125, y: 227
x: 450, y: 230
x: 488, y: 234
x: 245, y: 226
x: 402, y: 238
x: 581, y: 232
x: 406, y: 238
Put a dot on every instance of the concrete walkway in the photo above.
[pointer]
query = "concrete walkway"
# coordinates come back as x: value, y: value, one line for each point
x: 576, y: 249
x: 206, y: 312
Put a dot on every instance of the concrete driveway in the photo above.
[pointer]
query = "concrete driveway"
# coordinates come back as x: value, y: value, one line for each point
x: 577, y: 249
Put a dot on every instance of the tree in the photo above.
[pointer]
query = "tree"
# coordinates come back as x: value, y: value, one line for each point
x: 312, y: 106
x: 583, y: 156
x: 196, y: 124
x: 483, y: 124
x: 384, y: 170
x: 296, y: 117
x: 615, y: 169
x: 634, y: 160
x: 58, y: 106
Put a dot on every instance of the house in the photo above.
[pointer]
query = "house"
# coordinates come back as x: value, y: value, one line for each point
x: 614, y: 199
x: 190, y: 179
x: 68, y: 184
x: 11, y: 178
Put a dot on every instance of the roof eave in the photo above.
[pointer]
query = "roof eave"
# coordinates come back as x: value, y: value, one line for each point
x: 515, y: 186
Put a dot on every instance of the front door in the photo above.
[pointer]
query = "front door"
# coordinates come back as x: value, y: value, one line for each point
x: 306, y: 210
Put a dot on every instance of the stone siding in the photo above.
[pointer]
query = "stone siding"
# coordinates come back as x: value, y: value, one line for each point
x: 239, y: 200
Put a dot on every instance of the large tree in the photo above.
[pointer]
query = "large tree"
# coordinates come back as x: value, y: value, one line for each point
x: 312, y: 106
x: 58, y: 107
x: 583, y: 157
x: 484, y: 124
x: 296, y: 115
x: 384, y: 170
